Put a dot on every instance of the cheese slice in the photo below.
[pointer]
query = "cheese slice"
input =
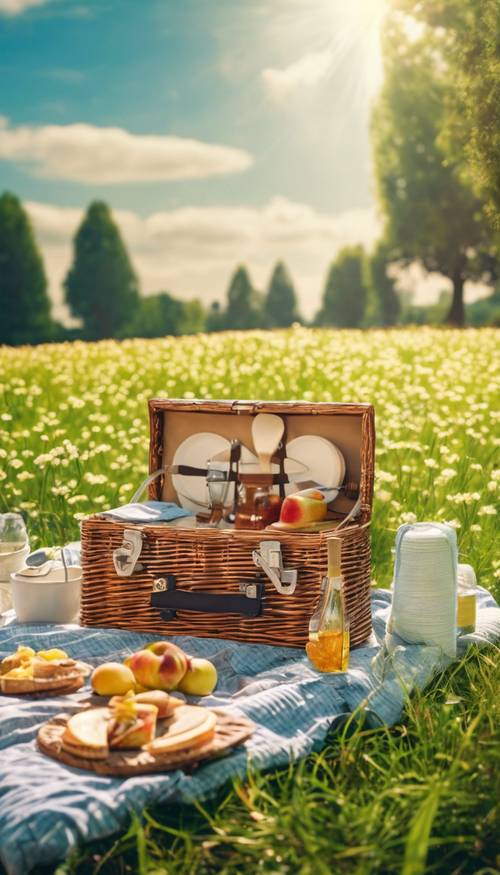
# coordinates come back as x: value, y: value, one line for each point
x: 189, y: 727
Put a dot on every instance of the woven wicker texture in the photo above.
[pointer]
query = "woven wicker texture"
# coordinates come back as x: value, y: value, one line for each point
x: 213, y: 561
x: 217, y: 561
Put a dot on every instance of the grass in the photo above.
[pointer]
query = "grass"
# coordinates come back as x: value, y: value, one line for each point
x: 419, y: 797
x: 414, y: 798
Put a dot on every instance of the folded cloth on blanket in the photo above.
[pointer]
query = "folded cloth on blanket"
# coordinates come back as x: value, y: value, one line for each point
x: 47, y: 808
x: 147, y: 512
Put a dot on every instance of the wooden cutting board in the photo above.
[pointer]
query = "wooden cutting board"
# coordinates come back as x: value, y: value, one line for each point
x: 230, y: 731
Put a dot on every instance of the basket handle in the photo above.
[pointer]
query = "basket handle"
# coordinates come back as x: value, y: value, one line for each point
x: 169, y: 599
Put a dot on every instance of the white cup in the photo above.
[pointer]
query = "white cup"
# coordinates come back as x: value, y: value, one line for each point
x: 49, y: 598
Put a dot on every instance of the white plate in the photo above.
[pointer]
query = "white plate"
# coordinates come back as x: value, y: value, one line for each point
x: 195, y: 451
x: 324, y: 462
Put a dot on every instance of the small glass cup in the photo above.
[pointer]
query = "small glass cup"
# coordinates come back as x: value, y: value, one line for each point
x: 13, y: 534
x: 217, y: 486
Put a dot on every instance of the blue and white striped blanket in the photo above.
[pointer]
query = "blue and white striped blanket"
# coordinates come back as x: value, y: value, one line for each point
x: 47, y: 808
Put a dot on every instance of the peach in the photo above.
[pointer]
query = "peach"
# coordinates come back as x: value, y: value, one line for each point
x: 200, y: 678
x: 158, y: 672
x: 300, y: 510
x: 112, y: 679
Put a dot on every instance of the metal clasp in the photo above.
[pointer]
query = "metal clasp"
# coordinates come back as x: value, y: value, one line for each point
x: 126, y: 555
x: 269, y: 558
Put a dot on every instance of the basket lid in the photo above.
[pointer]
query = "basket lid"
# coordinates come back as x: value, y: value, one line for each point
x: 350, y: 427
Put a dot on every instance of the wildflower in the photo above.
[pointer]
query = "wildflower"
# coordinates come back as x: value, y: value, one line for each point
x: 408, y: 517
x: 487, y: 510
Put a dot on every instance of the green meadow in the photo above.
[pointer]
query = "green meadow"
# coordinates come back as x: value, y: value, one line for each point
x: 418, y: 797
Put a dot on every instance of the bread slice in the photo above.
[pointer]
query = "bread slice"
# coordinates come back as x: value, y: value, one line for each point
x: 86, y: 734
x: 189, y: 727
x: 54, y: 668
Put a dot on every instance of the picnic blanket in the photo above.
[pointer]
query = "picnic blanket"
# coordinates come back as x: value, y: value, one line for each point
x: 46, y: 808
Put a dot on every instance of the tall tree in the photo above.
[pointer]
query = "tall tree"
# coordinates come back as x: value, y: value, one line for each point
x: 382, y: 287
x: 215, y: 317
x: 432, y: 215
x: 280, y: 303
x: 101, y: 286
x: 24, y: 303
x: 244, y: 308
x: 345, y: 293
x: 466, y: 33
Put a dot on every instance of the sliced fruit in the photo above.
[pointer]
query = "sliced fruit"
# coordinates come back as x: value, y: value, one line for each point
x: 140, y: 732
x: 166, y: 704
x: 14, y: 660
x: 53, y: 653
x: 190, y: 726
x: 86, y: 734
x: 22, y: 671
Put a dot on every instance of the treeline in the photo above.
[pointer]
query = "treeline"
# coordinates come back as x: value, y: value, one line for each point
x: 436, y: 148
x: 102, y: 291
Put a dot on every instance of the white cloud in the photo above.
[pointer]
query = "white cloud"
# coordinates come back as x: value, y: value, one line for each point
x: 191, y: 251
x: 88, y: 154
x: 309, y: 70
x: 15, y: 7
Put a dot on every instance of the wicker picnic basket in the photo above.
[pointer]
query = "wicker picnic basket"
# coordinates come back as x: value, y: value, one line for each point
x: 203, y: 581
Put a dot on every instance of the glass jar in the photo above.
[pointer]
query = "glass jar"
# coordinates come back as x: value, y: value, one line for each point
x: 466, y: 599
x: 13, y: 535
x: 258, y: 506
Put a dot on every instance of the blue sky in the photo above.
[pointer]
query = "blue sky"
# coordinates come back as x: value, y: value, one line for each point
x: 218, y: 131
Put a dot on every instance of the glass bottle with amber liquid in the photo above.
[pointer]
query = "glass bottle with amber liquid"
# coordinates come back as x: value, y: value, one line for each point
x: 328, y: 645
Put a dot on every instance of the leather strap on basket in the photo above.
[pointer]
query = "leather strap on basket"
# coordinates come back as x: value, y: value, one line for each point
x: 169, y: 599
x: 278, y: 479
x: 281, y: 456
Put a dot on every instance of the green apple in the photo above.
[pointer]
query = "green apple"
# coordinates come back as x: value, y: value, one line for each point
x: 200, y: 678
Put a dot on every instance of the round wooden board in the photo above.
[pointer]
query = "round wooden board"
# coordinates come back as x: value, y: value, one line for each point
x: 230, y: 731
x: 43, y: 690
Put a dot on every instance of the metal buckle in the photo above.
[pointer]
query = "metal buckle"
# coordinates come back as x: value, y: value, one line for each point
x: 269, y: 558
x: 251, y: 590
x: 126, y: 555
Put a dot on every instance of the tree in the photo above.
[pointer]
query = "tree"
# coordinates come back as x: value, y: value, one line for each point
x: 101, y: 286
x: 194, y: 317
x: 382, y: 287
x: 345, y: 294
x: 432, y: 215
x: 244, y: 307
x: 24, y: 303
x: 215, y: 317
x: 162, y: 314
x: 280, y: 304
x: 466, y: 33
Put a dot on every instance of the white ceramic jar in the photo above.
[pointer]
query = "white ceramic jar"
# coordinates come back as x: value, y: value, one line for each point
x: 47, y: 598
